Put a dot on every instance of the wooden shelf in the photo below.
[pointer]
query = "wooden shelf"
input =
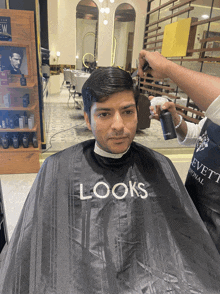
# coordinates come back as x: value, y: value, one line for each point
x: 196, y: 59
x: 18, y: 130
x: 154, y: 48
x: 190, y: 110
x: 152, y: 36
x: 181, y: 4
x: 203, y: 50
x: 210, y: 39
x: 161, y: 93
x: 201, y: 22
x: 161, y: 6
x: 19, y: 108
x: 149, y: 31
x: 153, y: 42
x: 188, y: 118
x: 170, y: 16
x: 155, y: 79
x: 158, y: 86
x: 16, y: 85
x: 22, y: 160
x: 20, y: 149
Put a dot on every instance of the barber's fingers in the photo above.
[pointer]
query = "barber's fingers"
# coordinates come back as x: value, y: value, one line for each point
x: 142, y: 60
x: 155, y: 112
x: 166, y: 105
x: 170, y: 106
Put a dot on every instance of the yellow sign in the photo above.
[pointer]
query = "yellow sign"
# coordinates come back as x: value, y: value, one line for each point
x: 175, y: 38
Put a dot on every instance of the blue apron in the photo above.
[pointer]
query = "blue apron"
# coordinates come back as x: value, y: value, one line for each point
x: 203, y: 179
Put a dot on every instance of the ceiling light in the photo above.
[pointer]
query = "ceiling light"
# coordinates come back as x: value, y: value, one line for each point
x: 58, y: 53
x: 205, y: 16
x: 102, y: 10
x: 100, y: 1
x: 77, y: 56
x: 105, y: 22
x: 107, y: 10
x: 112, y: 1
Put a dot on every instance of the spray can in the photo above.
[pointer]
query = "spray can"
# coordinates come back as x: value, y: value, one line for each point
x: 167, y: 124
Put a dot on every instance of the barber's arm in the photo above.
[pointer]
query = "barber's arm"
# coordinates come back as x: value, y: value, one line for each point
x: 203, y: 89
x: 187, y: 132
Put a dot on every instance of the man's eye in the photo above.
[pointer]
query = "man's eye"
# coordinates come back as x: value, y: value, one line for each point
x: 129, y: 112
x: 103, y: 114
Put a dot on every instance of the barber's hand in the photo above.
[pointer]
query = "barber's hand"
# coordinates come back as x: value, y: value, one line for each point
x: 155, y: 111
x: 157, y: 62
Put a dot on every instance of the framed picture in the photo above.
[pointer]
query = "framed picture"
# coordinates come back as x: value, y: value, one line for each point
x: 5, y: 29
x: 212, y: 44
x: 14, y: 59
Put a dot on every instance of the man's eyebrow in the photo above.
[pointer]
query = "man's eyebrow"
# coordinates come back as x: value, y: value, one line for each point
x: 109, y: 109
x: 130, y: 105
x: 102, y: 109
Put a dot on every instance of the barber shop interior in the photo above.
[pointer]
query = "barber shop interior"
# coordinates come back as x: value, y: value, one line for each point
x: 48, y: 51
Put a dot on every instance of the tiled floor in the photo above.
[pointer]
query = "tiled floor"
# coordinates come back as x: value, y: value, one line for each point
x: 65, y: 126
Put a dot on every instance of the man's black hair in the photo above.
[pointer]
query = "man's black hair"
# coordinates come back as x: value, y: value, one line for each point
x: 105, y: 81
x: 16, y: 50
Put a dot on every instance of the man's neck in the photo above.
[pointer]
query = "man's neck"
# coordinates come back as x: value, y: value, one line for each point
x: 103, y: 153
x: 14, y: 69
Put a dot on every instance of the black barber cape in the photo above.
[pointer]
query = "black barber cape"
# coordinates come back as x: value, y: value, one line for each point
x: 203, y: 179
x: 95, y: 225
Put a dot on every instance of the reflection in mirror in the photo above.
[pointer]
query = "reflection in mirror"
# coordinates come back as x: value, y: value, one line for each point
x: 123, y: 36
x: 86, y: 35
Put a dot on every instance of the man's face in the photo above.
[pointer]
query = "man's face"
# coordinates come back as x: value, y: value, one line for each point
x: 15, y: 61
x: 114, y: 122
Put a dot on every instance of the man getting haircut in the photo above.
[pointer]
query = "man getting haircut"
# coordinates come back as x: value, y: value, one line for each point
x: 109, y: 215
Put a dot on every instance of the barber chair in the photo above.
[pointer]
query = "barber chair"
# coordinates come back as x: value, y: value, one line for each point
x: 73, y: 91
x: 67, y: 78
x: 3, y: 228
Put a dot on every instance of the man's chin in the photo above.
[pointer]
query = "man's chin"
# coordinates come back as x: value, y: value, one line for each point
x: 119, y: 148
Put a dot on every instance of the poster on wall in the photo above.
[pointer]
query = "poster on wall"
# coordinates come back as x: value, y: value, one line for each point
x: 13, y: 59
x: 5, y: 29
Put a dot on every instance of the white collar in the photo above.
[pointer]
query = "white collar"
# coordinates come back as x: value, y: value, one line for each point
x: 103, y: 153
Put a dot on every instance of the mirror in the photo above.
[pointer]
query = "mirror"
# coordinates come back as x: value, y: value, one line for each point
x: 86, y: 35
x: 122, y: 48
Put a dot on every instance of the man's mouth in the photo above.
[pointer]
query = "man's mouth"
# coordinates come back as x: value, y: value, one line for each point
x: 118, y: 138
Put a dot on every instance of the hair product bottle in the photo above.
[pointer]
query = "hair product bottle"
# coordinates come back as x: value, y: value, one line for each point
x: 34, y: 141
x: 5, y: 141
x: 25, y: 141
x: 166, y: 120
x: 15, y: 141
x: 11, y: 123
x: 23, y: 80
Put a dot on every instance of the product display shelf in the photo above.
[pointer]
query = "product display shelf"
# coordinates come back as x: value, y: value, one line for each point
x: 13, y: 104
x: 18, y: 130
x: 19, y: 108
x: 20, y: 149
x: 20, y: 160
x: 16, y: 85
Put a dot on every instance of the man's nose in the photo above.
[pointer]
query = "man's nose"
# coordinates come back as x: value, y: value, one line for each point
x: 118, y: 123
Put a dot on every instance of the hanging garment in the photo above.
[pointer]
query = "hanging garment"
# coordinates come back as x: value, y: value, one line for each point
x: 203, y: 179
x: 93, y: 225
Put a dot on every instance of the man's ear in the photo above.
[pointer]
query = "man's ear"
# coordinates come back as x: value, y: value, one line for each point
x: 86, y: 117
